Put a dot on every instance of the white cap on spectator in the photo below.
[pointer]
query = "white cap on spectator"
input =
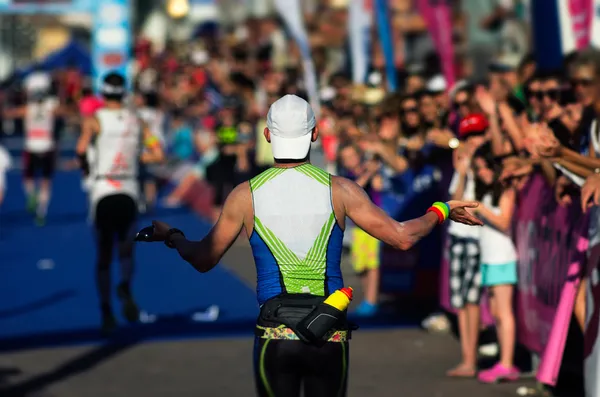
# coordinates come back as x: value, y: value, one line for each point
x: 200, y: 57
x: 437, y: 84
x: 327, y: 93
x: 291, y: 121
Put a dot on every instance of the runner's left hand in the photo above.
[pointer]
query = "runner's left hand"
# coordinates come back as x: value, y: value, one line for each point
x: 460, y: 214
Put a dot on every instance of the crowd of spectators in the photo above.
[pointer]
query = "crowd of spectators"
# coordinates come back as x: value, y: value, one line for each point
x: 503, y: 121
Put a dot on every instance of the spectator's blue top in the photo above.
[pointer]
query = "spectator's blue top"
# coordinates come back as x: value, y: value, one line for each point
x: 182, y: 143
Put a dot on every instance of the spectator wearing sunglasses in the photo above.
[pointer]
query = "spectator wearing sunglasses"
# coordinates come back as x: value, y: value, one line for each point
x: 549, y: 96
x: 532, y: 91
x: 585, y: 77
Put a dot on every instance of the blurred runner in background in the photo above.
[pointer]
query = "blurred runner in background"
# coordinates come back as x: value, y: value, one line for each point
x: 121, y: 139
x: 39, y: 114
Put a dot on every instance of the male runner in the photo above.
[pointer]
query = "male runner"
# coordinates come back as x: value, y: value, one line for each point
x: 294, y: 215
x: 119, y: 139
x: 39, y: 115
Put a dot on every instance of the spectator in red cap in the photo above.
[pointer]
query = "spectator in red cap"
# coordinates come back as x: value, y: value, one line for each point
x: 473, y: 125
x: 463, y: 247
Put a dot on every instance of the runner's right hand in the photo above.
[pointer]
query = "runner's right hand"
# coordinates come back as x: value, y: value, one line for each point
x: 156, y: 232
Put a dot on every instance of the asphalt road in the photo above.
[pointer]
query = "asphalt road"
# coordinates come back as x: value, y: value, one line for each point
x: 383, y: 363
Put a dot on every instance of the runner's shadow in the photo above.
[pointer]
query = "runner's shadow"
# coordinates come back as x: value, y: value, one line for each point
x: 38, y: 304
x: 73, y: 367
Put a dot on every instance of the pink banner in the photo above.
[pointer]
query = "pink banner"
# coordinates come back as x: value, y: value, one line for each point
x: 551, y: 244
x: 581, y: 20
x: 438, y: 16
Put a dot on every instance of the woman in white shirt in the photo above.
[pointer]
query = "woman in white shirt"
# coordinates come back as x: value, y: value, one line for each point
x: 498, y: 257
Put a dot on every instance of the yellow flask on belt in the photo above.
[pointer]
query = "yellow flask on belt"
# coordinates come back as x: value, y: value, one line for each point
x: 340, y: 299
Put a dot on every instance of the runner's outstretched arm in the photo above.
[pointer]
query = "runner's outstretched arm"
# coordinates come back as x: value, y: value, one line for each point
x: 203, y: 255
x: 401, y: 235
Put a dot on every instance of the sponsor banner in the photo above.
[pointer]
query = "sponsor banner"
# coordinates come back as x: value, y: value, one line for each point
x: 590, y: 341
x: 360, y: 24
x: 111, y: 39
x: 575, y: 24
x: 438, y: 16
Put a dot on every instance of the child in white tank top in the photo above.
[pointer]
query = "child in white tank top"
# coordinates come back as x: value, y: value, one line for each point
x: 498, y: 259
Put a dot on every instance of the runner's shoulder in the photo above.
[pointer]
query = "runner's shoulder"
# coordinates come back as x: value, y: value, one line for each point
x: 346, y: 189
x: 241, y: 192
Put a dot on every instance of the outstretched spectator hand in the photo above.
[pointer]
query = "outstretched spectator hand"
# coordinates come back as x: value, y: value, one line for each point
x: 541, y: 141
x: 485, y: 100
x: 515, y: 167
x: 590, y: 192
x: 461, y: 160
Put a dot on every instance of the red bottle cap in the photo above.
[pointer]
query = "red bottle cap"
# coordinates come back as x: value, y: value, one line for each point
x: 347, y: 291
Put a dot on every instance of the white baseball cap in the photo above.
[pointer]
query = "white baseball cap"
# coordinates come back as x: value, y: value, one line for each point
x: 291, y: 121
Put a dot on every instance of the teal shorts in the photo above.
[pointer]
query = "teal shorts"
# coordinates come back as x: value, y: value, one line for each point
x: 498, y: 274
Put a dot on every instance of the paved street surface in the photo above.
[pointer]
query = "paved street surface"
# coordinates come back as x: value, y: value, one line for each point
x: 383, y: 363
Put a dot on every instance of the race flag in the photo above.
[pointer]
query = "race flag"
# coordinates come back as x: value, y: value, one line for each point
x: 359, y: 30
x: 438, y: 17
x: 291, y: 13
x: 385, y: 38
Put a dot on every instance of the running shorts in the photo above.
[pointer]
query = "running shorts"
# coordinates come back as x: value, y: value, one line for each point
x: 283, y: 367
x: 39, y: 163
x: 364, y: 251
x: 116, y: 215
x: 283, y: 364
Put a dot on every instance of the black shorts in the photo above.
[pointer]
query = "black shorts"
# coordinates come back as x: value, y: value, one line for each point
x: 282, y: 367
x: 42, y: 163
x: 115, y: 216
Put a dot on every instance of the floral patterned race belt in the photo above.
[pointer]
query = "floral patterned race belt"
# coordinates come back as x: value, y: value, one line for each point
x: 283, y: 333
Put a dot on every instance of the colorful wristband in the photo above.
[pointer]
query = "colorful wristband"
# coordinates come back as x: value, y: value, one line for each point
x: 442, y: 210
x: 439, y: 214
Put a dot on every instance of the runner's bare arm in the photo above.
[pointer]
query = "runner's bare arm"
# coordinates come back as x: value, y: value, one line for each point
x: 401, y: 235
x: 63, y: 110
x: 204, y: 255
x: 89, y: 128
x: 15, y: 113
x: 154, y: 152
